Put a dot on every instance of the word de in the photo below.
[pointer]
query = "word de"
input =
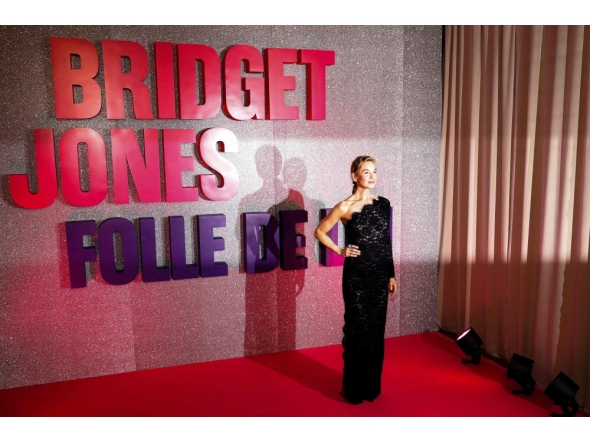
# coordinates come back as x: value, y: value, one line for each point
x: 262, y: 250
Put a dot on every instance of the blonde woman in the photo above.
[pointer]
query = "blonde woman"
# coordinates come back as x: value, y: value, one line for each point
x: 368, y: 278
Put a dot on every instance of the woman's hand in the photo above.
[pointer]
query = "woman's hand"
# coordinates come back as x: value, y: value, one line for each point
x: 350, y: 251
x: 392, y: 287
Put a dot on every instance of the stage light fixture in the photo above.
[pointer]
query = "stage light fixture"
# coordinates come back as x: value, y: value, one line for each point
x: 520, y: 369
x: 469, y: 341
x: 562, y: 391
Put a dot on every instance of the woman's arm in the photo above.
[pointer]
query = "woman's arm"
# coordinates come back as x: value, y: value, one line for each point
x: 392, y: 290
x: 326, y: 225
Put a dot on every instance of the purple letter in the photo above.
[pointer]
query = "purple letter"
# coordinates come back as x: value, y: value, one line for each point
x: 180, y: 269
x: 78, y: 254
x: 106, y: 251
x: 149, y: 266
x: 256, y: 261
x: 291, y: 240
x: 208, y: 245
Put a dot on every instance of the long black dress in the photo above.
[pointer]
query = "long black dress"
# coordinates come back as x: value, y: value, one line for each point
x: 365, y: 281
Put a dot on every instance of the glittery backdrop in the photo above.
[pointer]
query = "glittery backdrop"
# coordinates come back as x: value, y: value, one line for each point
x: 383, y: 99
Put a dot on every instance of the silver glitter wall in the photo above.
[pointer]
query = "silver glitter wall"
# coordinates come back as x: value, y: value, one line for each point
x: 383, y: 99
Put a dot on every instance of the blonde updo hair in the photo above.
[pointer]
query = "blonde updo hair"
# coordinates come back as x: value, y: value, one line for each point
x: 357, y: 165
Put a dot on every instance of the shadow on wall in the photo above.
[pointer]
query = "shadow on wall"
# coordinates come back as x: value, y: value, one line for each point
x: 271, y: 297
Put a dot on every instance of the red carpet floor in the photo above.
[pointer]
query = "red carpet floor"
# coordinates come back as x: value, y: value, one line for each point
x: 423, y: 376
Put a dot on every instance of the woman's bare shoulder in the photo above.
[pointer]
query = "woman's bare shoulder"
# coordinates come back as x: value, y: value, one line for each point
x: 344, y: 206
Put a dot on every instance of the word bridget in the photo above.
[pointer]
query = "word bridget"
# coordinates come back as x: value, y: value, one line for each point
x: 66, y: 79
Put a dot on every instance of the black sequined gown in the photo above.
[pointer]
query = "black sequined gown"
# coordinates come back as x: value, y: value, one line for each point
x: 365, y: 280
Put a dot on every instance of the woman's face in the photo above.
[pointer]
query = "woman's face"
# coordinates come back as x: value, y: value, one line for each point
x: 367, y: 176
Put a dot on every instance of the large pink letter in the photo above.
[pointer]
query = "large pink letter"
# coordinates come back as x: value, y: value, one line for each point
x: 146, y: 176
x: 277, y: 83
x: 188, y: 54
x: 65, y: 78
x: 316, y: 61
x: 253, y: 87
x: 229, y: 174
x: 70, y: 167
x: 175, y: 164
x: 115, y: 80
x: 19, y: 183
x: 165, y: 80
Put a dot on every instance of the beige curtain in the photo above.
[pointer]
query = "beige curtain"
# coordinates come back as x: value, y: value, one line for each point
x: 515, y: 194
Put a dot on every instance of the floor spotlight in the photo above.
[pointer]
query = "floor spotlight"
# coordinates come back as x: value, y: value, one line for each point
x: 520, y: 369
x: 562, y: 391
x: 470, y: 342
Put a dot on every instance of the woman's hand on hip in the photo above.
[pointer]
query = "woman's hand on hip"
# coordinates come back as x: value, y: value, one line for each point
x: 350, y: 251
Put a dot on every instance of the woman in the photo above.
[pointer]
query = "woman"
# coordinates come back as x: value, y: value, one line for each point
x: 368, y: 278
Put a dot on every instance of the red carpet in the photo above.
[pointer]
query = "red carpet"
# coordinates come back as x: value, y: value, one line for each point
x: 423, y: 376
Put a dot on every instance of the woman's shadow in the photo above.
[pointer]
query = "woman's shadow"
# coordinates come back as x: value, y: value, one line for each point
x: 290, y: 283
x: 261, y: 330
x: 305, y: 371
x: 271, y: 297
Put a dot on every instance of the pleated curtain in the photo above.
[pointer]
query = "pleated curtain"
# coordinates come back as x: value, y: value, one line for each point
x: 515, y: 194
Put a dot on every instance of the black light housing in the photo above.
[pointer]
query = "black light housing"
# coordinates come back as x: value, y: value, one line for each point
x: 470, y: 342
x: 520, y: 369
x: 562, y: 391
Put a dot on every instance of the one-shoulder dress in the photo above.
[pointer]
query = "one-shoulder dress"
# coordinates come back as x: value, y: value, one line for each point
x: 365, y: 281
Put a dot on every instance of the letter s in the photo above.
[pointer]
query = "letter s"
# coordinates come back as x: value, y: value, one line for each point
x: 229, y: 180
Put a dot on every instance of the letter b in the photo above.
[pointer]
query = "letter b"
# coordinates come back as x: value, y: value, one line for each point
x: 65, y: 78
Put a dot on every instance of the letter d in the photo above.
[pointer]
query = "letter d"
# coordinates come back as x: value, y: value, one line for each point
x: 253, y: 262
